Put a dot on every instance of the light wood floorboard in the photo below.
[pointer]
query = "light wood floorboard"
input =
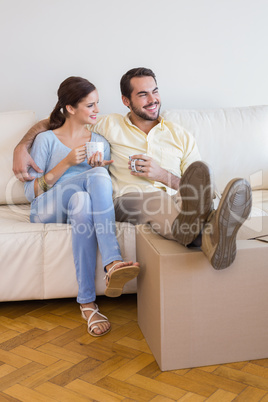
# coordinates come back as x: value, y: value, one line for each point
x: 47, y: 355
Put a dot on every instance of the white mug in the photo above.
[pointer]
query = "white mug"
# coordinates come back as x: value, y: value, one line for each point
x: 93, y: 147
x: 133, y: 163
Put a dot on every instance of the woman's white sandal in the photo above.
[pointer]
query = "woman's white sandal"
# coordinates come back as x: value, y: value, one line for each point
x: 91, y: 325
x: 117, y: 278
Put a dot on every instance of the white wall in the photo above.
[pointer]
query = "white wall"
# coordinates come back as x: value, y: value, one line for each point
x: 205, y: 53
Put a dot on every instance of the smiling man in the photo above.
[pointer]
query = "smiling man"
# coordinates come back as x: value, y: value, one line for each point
x: 164, y: 149
x: 158, y: 177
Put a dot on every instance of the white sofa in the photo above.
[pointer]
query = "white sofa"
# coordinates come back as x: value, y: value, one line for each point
x: 36, y: 260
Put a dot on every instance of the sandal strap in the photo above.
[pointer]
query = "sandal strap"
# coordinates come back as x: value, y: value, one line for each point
x: 88, y: 309
x: 94, y: 311
x: 112, y: 269
x: 91, y: 328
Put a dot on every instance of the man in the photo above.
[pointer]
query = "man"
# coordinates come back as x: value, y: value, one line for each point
x: 164, y: 183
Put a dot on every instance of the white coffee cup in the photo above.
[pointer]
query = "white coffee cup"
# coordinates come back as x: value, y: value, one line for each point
x: 93, y: 147
x: 133, y: 163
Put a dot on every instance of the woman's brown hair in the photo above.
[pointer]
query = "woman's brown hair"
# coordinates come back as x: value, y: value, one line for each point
x: 71, y: 92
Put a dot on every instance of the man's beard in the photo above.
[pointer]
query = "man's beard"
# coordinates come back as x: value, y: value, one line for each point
x: 142, y: 114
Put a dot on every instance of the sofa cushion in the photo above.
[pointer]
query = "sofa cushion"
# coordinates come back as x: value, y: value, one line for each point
x: 13, y: 125
x: 39, y: 256
x: 233, y: 141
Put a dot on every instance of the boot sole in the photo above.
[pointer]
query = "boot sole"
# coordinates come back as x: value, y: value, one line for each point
x: 194, y: 212
x: 233, y: 210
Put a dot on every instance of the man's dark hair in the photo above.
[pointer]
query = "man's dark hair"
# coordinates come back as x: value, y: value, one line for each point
x: 126, y: 88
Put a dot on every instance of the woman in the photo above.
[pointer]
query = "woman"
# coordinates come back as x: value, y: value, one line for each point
x: 79, y: 191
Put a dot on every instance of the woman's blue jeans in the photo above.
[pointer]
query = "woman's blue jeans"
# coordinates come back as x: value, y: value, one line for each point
x: 84, y: 201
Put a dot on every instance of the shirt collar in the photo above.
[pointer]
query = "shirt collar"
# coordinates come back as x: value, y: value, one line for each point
x: 160, y: 121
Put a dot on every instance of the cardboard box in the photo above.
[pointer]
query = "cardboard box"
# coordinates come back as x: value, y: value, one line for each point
x: 192, y: 315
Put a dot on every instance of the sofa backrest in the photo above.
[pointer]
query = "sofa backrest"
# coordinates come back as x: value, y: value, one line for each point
x: 234, y: 141
x: 13, y: 125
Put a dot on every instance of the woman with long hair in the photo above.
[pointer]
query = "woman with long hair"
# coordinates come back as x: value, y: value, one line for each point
x: 78, y: 191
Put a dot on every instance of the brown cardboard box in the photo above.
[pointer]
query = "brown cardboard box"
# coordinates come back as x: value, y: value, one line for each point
x: 192, y: 315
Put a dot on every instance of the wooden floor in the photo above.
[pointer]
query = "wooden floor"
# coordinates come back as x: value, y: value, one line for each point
x: 47, y: 355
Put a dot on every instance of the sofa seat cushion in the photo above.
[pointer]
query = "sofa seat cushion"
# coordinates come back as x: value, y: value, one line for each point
x: 39, y: 256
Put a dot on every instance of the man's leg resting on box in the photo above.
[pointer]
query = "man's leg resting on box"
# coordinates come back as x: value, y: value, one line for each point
x: 189, y: 217
x: 219, y: 227
x: 156, y: 208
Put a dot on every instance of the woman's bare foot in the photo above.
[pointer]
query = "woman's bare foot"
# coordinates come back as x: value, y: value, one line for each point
x: 118, y: 273
x: 101, y: 327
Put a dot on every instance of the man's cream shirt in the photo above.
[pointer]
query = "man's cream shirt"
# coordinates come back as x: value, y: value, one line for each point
x: 173, y: 148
